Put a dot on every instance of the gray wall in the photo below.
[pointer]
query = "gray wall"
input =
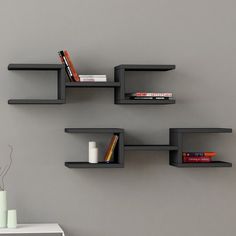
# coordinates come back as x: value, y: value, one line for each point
x: 147, y: 197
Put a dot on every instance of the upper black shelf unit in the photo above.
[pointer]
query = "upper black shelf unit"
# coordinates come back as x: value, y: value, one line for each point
x: 120, y: 92
x: 118, y: 85
x: 43, y: 67
x: 177, y: 139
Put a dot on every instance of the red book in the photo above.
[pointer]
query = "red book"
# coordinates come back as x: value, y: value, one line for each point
x: 196, y: 159
x: 199, y: 154
x: 74, y: 73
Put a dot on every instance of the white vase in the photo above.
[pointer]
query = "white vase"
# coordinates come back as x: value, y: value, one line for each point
x: 3, y: 209
x: 3, y: 200
x: 3, y: 219
x: 11, y: 219
x: 93, y: 155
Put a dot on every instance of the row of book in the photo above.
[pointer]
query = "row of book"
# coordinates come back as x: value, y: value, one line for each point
x: 72, y: 73
x: 190, y: 157
x: 149, y: 96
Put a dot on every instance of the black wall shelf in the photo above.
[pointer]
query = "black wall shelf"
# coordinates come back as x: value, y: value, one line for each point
x: 120, y: 92
x: 92, y: 84
x: 36, y: 101
x: 176, y: 139
x: 42, y: 67
x: 145, y: 102
x: 209, y: 164
x: 152, y: 147
x: 118, y: 85
x: 92, y: 165
x: 175, y: 148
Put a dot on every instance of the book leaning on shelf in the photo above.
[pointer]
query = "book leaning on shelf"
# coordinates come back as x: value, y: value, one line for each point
x: 111, y: 148
x: 70, y: 69
x: 73, y: 75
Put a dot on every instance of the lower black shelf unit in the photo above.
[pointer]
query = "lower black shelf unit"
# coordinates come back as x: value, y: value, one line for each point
x: 175, y: 148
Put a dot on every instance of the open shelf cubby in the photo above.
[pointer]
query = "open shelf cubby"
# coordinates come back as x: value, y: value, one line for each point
x: 118, y: 85
x: 120, y: 92
x: 176, y: 139
x: 59, y: 68
x: 118, y: 151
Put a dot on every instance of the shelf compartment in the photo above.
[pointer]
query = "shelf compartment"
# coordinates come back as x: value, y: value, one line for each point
x: 92, y: 84
x: 145, y: 102
x: 59, y: 68
x: 177, y: 139
x: 150, y: 147
x: 93, y: 165
x: 208, y: 164
x: 35, y: 66
x: 133, y: 67
x: 35, y: 101
x: 118, y: 160
x: 120, y: 92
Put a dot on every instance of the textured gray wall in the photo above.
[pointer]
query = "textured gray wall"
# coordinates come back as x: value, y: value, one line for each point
x: 147, y: 197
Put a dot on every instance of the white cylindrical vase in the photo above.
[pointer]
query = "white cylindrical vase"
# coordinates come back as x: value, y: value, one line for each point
x: 3, y: 209
x: 3, y: 219
x: 91, y: 145
x: 11, y: 219
x: 93, y: 155
x: 3, y: 200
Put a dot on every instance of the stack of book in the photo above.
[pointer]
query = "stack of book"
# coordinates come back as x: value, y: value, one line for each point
x: 93, y: 78
x: 190, y: 157
x: 111, y: 148
x: 150, y: 96
x: 73, y: 75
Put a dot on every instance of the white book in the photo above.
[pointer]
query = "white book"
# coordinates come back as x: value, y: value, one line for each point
x: 93, y: 79
x: 92, y: 76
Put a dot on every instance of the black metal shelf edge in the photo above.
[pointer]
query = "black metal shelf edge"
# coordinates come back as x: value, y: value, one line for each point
x: 208, y: 164
x: 35, y: 101
x: 150, y: 147
x: 201, y: 130
x: 145, y: 102
x: 93, y: 130
x: 92, y: 84
x: 133, y: 67
x: 91, y: 165
x: 35, y: 66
